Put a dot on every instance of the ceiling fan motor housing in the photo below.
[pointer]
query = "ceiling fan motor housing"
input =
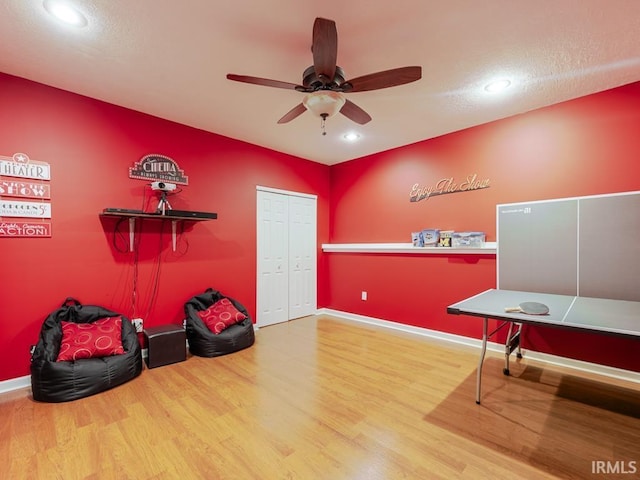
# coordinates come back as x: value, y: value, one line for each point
x: 313, y: 82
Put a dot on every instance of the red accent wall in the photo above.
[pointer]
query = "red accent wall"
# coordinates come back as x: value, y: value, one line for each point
x: 90, y: 146
x: 582, y: 147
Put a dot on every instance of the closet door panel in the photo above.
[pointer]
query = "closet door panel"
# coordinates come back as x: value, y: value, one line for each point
x: 302, y: 257
x: 272, y: 301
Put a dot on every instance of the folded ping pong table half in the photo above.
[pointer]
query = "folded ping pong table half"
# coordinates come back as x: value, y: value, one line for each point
x: 597, y: 315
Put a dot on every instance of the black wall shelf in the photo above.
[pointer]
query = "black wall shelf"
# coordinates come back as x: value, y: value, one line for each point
x: 174, y: 216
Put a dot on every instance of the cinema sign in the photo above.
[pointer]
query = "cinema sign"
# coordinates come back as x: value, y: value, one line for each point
x: 157, y: 167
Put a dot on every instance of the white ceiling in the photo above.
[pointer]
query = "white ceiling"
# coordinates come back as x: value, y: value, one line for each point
x: 170, y: 58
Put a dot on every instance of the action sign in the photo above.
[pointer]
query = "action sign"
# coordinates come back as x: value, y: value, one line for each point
x: 25, y: 229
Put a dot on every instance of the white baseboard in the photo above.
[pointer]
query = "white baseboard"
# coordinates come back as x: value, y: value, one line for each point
x: 593, y: 368
x: 15, y: 384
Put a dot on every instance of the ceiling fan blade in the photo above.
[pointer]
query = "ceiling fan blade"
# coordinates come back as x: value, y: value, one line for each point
x: 388, y: 78
x: 325, y: 48
x: 355, y: 113
x: 262, y: 81
x: 293, y: 113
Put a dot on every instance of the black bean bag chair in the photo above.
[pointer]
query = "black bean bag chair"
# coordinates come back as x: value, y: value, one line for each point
x: 65, y: 380
x: 204, y: 342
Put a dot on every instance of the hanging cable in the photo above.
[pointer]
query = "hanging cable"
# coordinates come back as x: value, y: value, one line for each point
x: 136, y: 257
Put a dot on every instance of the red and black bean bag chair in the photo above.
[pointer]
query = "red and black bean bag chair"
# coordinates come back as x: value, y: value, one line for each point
x: 217, y: 325
x: 83, y: 350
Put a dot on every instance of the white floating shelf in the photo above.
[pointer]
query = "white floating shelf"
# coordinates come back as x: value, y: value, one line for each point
x: 489, y: 248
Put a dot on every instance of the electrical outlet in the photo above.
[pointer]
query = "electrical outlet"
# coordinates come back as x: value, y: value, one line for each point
x: 137, y: 324
x: 363, y: 296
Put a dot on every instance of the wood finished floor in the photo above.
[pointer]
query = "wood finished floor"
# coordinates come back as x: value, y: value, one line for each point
x: 325, y: 398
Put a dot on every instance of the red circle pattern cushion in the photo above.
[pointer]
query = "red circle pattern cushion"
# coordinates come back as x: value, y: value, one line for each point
x: 221, y: 315
x: 101, y: 338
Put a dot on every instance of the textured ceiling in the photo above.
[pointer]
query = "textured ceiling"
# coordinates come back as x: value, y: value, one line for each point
x: 170, y: 59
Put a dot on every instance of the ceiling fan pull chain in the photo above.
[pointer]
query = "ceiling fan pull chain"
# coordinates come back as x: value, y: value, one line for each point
x: 323, y: 122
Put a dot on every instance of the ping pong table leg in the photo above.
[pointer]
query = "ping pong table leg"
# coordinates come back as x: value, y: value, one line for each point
x: 512, y: 343
x: 485, y: 329
x: 521, y: 335
x: 507, y: 350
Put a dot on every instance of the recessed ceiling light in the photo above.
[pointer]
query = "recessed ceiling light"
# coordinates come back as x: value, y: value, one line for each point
x: 351, y: 136
x: 497, y: 85
x: 65, y: 13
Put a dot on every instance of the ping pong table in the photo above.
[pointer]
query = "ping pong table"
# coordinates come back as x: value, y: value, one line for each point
x: 598, y: 315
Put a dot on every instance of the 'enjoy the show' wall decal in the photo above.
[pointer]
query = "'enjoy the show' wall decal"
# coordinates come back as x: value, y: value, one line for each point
x: 447, y: 185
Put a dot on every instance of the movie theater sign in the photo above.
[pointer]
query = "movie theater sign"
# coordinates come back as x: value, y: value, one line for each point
x: 20, y: 165
x: 25, y: 195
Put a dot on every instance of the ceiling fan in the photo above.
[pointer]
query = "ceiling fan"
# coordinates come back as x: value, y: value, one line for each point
x: 324, y: 82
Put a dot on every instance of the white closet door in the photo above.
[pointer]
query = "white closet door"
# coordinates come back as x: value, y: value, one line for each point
x: 272, y: 302
x: 302, y: 257
x: 286, y: 256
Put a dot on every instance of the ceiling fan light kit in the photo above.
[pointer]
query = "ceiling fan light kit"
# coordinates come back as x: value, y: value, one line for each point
x: 324, y: 82
x: 323, y: 104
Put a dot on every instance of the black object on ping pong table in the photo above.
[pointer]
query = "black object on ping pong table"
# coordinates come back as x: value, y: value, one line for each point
x: 530, y: 308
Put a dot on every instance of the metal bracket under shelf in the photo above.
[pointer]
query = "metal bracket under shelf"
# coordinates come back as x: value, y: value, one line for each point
x: 132, y: 229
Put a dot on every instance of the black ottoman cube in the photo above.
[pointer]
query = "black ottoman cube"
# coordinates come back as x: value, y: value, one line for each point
x: 165, y: 344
